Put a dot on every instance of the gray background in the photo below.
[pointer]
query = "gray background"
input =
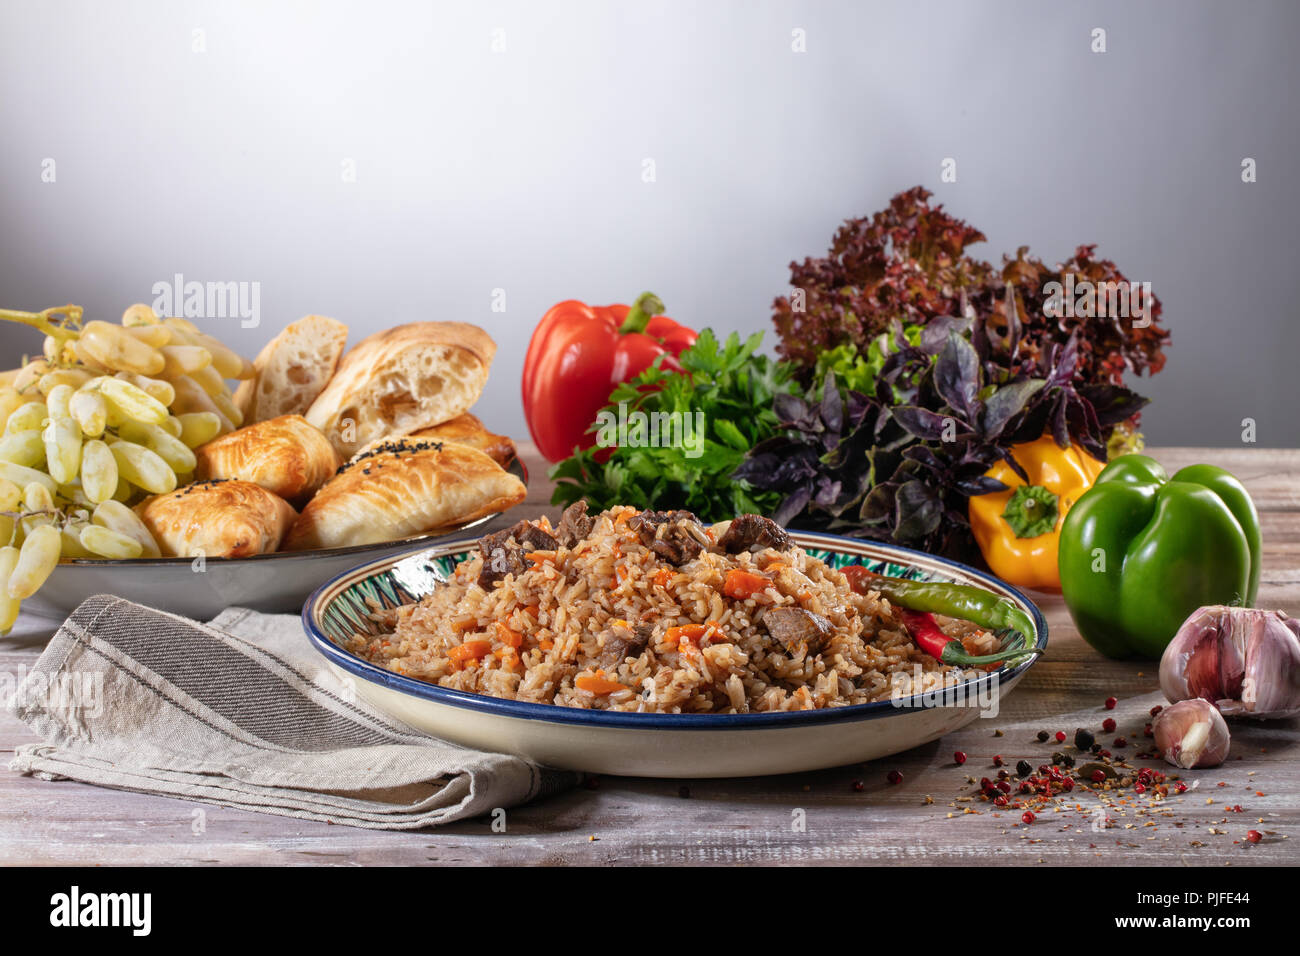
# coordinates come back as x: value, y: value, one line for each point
x: 521, y: 170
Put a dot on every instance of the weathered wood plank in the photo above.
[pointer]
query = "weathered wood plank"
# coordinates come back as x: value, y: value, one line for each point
x: 751, y: 821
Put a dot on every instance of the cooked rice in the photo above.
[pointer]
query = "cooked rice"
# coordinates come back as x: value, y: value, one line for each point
x: 562, y: 610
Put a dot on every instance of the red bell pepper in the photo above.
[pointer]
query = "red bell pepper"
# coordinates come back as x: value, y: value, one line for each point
x: 578, y: 354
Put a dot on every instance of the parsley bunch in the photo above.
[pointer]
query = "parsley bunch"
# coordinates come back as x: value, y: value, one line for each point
x: 725, y: 390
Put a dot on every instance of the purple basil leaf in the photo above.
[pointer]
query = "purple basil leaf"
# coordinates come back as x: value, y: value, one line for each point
x: 793, y: 504
x: 879, y: 503
x: 957, y: 373
x: 982, y: 485
x: 1066, y: 361
x: 1006, y: 403
x: 1112, y: 403
x: 918, y: 511
x: 1014, y: 325
x: 1061, y: 423
x: 790, y: 409
x: 921, y: 422
x: 935, y: 334
x: 832, y: 408
x: 1015, y: 466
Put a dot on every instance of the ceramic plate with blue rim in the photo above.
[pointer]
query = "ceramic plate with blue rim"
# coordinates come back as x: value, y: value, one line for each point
x: 275, y: 583
x: 653, y: 745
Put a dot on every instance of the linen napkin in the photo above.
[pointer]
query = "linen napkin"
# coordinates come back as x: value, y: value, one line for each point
x: 243, y: 713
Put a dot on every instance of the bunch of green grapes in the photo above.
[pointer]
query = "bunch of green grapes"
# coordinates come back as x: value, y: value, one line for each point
x: 109, y: 415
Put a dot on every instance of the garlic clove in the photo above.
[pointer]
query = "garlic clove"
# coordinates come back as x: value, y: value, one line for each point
x: 1192, y: 733
x: 1246, y: 661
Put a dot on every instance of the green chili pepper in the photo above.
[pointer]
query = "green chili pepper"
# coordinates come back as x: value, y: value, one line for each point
x: 963, y: 601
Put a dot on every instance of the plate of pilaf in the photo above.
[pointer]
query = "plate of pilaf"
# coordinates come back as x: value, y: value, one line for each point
x: 648, y: 643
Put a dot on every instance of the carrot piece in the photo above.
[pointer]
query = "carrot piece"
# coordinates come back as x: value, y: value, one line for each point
x: 469, y: 651
x: 684, y: 632
x: 540, y: 557
x: 741, y: 585
x: 508, y: 637
x: 662, y: 578
x: 598, y: 684
x: 622, y: 572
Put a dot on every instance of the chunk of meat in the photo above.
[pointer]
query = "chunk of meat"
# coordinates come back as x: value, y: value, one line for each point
x: 675, y: 536
x: 622, y: 642
x: 753, y: 531
x: 793, y: 627
x: 574, y: 524
x: 503, y: 551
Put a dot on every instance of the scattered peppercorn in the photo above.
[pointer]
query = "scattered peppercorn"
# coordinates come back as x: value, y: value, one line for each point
x: 959, y: 757
x: 1028, y: 816
x: 1120, y: 742
x: 1098, y: 776
x: 997, y: 760
x: 894, y: 777
x: 1108, y: 725
x: 857, y: 785
x: 1083, y: 739
x: 1254, y: 836
x: 1156, y: 709
x: 1042, y: 736
x: 1110, y: 703
x: 1024, y: 768
x: 1060, y: 736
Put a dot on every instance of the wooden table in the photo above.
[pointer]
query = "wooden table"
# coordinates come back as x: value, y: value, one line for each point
x: 804, y: 818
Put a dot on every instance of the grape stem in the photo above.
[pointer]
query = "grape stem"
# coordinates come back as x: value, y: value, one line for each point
x: 68, y: 328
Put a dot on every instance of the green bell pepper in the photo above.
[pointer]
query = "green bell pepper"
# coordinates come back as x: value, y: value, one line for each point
x: 1141, y: 551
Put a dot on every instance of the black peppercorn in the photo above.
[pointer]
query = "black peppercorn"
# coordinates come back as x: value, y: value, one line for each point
x: 1042, y: 736
x: 1024, y: 768
x: 1083, y: 739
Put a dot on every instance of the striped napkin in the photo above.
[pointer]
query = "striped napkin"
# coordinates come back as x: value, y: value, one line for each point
x: 242, y: 713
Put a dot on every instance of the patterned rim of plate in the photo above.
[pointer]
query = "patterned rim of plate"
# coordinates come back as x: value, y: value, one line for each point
x: 514, y: 466
x: 342, y: 605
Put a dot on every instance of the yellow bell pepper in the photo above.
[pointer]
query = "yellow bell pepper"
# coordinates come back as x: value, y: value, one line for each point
x: 1018, y: 530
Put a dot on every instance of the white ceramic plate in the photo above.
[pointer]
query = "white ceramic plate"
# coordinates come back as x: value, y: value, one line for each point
x: 275, y: 583
x: 658, y: 745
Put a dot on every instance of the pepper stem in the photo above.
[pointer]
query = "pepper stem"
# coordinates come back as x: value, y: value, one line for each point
x: 955, y: 655
x: 643, y: 309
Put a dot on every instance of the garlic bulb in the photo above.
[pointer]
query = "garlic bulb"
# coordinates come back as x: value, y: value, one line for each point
x: 1244, y: 661
x: 1191, y: 734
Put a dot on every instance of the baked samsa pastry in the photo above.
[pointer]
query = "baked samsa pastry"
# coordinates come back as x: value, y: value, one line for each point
x: 409, y: 377
x: 218, y: 519
x: 403, y: 488
x: 285, y: 455
x: 463, y: 430
x: 292, y: 369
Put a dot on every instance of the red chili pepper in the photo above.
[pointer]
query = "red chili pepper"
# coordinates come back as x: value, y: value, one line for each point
x: 578, y: 354
x: 925, y: 631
